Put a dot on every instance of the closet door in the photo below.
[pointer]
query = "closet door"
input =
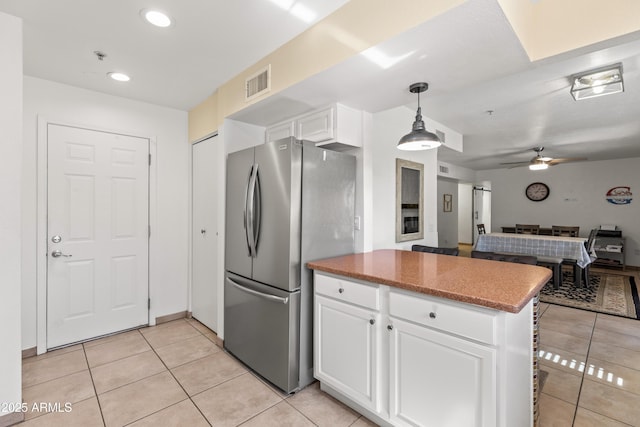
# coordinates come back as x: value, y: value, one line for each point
x: 205, y: 235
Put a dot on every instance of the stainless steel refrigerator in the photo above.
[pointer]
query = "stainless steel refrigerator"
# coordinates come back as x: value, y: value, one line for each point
x: 287, y: 203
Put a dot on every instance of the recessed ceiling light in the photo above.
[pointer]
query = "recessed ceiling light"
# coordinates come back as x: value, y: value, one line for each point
x: 155, y: 17
x: 120, y: 77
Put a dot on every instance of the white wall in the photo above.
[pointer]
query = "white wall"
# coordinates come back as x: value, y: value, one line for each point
x: 447, y: 221
x: 10, y: 212
x: 169, y: 240
x: 388, y: 127
x: 577, y: 197
x: 465, y: 213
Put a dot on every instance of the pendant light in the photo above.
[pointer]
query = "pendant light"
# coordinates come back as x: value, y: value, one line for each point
x: 419, y: 138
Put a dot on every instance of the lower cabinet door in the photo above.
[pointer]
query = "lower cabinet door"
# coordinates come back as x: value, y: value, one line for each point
x: 440, y: 380
x: 345, y: 348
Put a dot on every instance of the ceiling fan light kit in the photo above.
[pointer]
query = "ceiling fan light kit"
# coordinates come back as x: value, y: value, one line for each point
x: 540, y: 162
x: 419, y: 138
x: 599, y: 82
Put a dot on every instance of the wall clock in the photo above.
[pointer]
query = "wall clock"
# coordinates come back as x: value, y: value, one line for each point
x: 537, y: 191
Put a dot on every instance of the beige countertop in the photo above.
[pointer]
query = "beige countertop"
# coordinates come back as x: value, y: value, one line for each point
x: 499, y: 285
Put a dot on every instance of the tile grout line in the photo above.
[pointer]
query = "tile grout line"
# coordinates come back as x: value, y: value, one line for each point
x: 104, y: 423
x: 282, y: 399
x: 302, y: 413
x: 584, y: 372
x: 175, y: 379
x: 606, y: 385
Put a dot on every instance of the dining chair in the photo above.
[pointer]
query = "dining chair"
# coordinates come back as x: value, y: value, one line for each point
x: 592, y: 254
x: 527, y: 229
x: 434, y: 250
x: 564, y: 230
x: 493, y: 256
x: 481, y: 229
x: 554, y: 263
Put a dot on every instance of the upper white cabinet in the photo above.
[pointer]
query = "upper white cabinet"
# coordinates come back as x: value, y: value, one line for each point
x: 279, y: 131
x: 336, y: 127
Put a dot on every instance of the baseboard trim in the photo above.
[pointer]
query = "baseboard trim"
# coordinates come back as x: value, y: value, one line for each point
x: 29, y: 352
x: 11, y: 419
x: 171, y: 317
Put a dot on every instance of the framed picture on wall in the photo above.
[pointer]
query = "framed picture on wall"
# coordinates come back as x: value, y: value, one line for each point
x: 447, y: 202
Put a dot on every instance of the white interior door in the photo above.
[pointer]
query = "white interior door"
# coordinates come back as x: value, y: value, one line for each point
x: 204, y: 292
x: 481, y: 210
x: 97, y: 233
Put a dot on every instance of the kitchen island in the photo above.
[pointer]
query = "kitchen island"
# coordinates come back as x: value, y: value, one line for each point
x: 411, y: 338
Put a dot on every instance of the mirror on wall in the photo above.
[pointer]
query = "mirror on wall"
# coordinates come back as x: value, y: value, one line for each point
x: 409, y: 200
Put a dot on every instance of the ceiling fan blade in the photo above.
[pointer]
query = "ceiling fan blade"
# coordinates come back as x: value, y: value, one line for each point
x: 566, y: 160
x: 516, y: 163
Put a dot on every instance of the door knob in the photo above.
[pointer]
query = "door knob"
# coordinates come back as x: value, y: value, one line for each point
x: 58, y: 253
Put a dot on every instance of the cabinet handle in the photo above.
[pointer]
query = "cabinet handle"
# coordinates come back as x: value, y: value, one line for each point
x: 372, y: 321
x: 432, y: 315
x: 390, y: 327
x: 341, y: 290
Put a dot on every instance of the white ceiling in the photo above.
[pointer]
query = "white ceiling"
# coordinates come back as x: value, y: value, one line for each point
x: 470, y: 57
x: 180, y: 66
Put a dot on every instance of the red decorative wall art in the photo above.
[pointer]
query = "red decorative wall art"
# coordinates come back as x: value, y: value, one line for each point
x: 619, y: 195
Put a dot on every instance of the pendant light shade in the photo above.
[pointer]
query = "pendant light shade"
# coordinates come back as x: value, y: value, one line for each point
x: 419, y: 138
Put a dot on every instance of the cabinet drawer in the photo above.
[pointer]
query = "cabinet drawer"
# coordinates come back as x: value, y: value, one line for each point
x: 476, y: 324
x: 348, y: 291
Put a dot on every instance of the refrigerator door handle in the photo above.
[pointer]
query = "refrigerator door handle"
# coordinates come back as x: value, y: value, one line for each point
x: 250, y: 219
x: 246, y: 213
x: 257, y: 209
x: 258, y: 294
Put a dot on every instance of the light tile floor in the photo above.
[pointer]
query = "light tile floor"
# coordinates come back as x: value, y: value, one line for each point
x: 168, y: 375
x: 174, y: 375
x: 593, y: 361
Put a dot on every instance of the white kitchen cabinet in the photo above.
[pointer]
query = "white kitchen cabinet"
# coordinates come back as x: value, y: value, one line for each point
x: 346, y: 338
x: 408, y: 359
x: 437, y: 379
x: 336, y: 127
x: 279, y: 131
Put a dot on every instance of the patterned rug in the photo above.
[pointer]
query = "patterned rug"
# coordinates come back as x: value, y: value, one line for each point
x: 606, y: 293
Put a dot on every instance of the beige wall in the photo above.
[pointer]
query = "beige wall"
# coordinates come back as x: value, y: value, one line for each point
x: 547, y: 28
x: 353, y: 28
x: 204, y: 120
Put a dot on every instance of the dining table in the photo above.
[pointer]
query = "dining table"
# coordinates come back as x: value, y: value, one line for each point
x: 568, y: 248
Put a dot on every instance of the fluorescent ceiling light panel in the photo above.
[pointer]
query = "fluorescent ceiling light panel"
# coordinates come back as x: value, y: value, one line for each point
x: 383, y: 60
x: 296, y: 9
x: 283, y: 4
x: 120, y: 77
x: 603, y: 81
x: 155, y: 17
x: 303, y: 13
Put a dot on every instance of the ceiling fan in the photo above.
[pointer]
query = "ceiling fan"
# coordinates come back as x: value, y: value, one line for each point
x: 542, y: 162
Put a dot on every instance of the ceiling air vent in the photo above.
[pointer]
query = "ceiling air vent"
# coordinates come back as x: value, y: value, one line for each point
x: 258, y: 83
x: 440, y: 135
x: 444, y: 169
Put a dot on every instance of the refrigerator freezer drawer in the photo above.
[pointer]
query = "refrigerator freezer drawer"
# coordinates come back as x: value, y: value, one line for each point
x: 262, y: 329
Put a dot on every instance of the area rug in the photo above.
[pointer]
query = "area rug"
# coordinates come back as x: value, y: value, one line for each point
x: 606, y: 293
